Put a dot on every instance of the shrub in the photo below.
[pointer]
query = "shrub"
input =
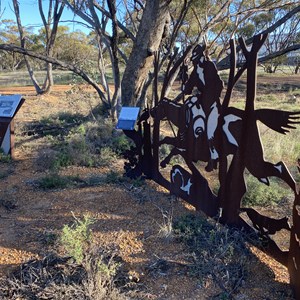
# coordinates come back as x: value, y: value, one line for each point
x: 55, y: 181
x: 113, y: 177
x: 219, y: 253
x: 83, y: 144
x: 54, y: 277
x: 63, y: 118
x: 121, y: 143
x: 262, y: 195
x: 89, y: 144
x: 99, y: 133
x: 5, y: 158
x: 62, y: 159
x: 106, y: 157
x: 76, y: 238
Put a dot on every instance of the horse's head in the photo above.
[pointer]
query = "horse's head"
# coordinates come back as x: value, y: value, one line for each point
x: 198, y: 53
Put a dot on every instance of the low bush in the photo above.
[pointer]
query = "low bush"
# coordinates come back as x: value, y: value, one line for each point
x: 219, y: 253
x: 106, y: 157
x: 93, y: 274
x: 113, y: 177
x: 90, y: 144
x: 120, y: 143
x: 63, y: 118
x: 260, y: 194
x: 5, y: 158
x: 56, y: 181
x: 75, y: 239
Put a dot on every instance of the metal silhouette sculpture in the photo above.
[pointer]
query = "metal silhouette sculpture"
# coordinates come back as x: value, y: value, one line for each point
x: 294, y: 251
x: 209, y: 130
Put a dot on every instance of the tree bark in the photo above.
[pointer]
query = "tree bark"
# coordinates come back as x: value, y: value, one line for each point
x: 50, y: 35
x: 147, y: 41
x: 23, y: 42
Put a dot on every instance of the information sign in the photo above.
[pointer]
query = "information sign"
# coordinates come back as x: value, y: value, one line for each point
x: 9, y: 105
x: 127, y: 118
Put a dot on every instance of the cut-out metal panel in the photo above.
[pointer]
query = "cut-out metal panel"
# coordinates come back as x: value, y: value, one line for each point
x: 226, y: 139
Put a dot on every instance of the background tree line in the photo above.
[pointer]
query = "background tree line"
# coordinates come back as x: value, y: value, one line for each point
x: 117, y: 56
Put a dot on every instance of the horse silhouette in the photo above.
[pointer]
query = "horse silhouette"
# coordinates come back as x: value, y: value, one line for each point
x: 206, y: 129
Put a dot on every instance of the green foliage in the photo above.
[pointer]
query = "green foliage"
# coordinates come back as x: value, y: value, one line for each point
x: 94, y: 180
x: 262, y: 195
x: 219, y: 252
x: 107, y: 156
x: 76, y: 238
x: 137, y: 182
x: 114, y: 177
x: 89, y: 143
x: 267, y: 98
x: 55, y: 181
x: 247, y: 30
x: 5, y: 158
x: 121, y: 143
x: 63, y: 118
x: 62, y: 159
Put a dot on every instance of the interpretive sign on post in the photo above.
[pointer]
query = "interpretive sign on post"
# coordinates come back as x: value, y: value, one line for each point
x: 9, y: 106
x: 127, y: 118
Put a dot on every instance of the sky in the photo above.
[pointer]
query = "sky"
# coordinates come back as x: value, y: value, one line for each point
x: 30, y: 15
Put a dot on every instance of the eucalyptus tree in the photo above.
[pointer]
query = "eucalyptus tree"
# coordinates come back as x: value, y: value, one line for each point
x: 281, y: 38
x: 143, y: 36
x: 50, y: 22
x: 132, y: 34
x: 9, y: 35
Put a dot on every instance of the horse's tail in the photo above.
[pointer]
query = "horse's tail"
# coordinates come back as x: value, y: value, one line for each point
x: 280, y: 121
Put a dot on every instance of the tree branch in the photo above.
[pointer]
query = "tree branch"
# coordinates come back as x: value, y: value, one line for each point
x: 279, y: 53
x: 224, y: 63
x: 63, y: 65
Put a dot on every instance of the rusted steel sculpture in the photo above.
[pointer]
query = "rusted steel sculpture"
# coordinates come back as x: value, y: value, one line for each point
x: 209, y: 130
x: 294, y: 252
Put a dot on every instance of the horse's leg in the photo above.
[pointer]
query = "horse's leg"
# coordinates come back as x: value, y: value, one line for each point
x: 262, y: 170
x: 255, y: 163
x: 169, y: 141
x: 174, y: 151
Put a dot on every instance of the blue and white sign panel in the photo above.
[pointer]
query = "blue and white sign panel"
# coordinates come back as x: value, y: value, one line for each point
x: 8, y: 105
x: 127, y: 118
